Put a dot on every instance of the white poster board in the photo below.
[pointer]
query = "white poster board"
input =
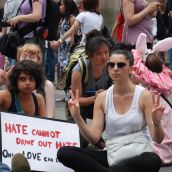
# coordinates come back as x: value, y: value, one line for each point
x: 38, y: 139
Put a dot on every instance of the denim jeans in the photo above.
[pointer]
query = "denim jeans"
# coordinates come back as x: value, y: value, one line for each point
x: 50, y: 64
x: 4, y: 168
x: 170, y: 58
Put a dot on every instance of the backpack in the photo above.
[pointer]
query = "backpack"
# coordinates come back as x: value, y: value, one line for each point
x: 51, y: 20
x: 78, y: 56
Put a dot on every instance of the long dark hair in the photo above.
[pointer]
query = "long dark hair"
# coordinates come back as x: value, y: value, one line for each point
x: 70, y: 9
x: 91, y: 5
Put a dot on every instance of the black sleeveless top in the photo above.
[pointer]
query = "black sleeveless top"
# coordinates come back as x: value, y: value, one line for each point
x: 13, y: 108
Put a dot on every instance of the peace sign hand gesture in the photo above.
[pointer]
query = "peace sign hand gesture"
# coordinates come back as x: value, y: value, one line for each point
x: 74, y: 105
x: 157, y: 110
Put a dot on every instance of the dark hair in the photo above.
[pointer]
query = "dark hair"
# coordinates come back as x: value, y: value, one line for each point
x: 94, y: 40
x: 126, y: 53
x: 124, y: 49
x: 154, y: 63
x: 91, y: 5
x: 28, y: 67
x: 70, y: 9
x: 123, y: 46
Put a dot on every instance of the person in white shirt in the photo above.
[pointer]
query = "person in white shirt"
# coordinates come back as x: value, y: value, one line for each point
x: 87, y: 20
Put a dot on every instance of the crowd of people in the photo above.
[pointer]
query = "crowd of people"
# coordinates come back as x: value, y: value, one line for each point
x: 121, y: 81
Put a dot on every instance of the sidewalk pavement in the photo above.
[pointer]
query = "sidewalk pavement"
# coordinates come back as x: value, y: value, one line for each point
x: 60, y: 105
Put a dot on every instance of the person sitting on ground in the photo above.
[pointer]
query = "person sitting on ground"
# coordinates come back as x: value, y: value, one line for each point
x: 149, y: 66
x: 19, y: 97
x: 97, y: 50
x: 160, y: 83
x: 124, y: 110
x: 33, y: 52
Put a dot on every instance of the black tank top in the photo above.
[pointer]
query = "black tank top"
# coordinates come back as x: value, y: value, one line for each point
x: 13, y: 108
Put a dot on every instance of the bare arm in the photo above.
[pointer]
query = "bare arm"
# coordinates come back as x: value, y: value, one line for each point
x: 50, y: 99
x: 71, y: 31
x: 170, y: 14
x: 5, y: 100
x: 41, y: 105
x: 114, y: 29
x: 153, y: 112
x: 91, y: 133
x: 132, y: 19
x: 76, y: 83
x: 72, y: 20
x: 35, y: 16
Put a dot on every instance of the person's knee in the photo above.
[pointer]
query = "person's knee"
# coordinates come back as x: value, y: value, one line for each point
x: 153, y: 158
x: 64, y: 153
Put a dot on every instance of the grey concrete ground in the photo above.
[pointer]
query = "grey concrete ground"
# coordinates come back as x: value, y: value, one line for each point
x: 60, y: 114
x: 60, y: 110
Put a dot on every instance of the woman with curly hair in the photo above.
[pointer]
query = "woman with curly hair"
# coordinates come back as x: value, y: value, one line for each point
x: 19, y: 97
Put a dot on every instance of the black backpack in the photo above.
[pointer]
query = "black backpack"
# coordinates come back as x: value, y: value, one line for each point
x: 52, y: 19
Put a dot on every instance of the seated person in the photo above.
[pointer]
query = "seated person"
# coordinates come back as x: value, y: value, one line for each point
x: 123, y: 111
x: 33, y: 52
x: 19, y: 97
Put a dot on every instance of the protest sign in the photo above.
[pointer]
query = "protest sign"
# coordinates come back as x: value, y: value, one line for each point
x: 38, y: 139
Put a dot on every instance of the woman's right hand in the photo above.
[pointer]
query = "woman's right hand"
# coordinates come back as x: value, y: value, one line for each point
x: 54, y: 44
x: 74, y: 105
x: 4, y: 75
x: 153, y: 6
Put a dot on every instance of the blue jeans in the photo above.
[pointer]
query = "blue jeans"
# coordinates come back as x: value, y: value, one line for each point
x: 4, y: 168
x: 170, y: 58
x: 50, y: 64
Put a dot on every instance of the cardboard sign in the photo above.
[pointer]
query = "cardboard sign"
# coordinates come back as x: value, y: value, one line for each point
x: 38, y: 139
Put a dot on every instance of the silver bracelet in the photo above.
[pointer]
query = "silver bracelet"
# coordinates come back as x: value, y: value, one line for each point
x: 61, y: 42
x: 156, y: 124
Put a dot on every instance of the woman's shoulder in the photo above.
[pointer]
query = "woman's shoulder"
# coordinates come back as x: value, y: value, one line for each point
x: 5, y: 92
x: 5, y: 98
x: 101, y: 96
x: 49, y: 90
x: 49, y: 84
x: 145, y: 94
x: 38, y: 96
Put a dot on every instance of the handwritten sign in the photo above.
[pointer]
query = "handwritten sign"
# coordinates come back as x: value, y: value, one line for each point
x: 38, y: 139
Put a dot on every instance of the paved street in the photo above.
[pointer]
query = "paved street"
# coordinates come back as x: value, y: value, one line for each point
x: 60, y: 110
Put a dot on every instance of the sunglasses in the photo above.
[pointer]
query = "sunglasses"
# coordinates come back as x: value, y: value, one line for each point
x: 118, y: 64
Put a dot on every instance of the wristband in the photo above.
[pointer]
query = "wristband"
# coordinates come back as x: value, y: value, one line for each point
x: 60, y: 41
x: 156, y: 124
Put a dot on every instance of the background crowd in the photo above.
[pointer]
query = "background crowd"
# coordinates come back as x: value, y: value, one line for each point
x: 120, y: 78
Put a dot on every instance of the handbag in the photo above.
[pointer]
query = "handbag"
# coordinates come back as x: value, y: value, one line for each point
x: 9, y: 43
x: 127, y: 146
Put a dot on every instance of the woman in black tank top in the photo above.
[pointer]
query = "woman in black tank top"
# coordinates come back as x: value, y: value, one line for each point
x: 25, y: 78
